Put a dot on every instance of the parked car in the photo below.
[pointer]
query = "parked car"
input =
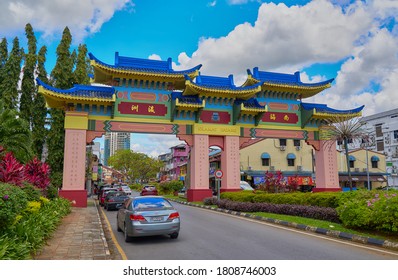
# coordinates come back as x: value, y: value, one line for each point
x: 114, y: 200
x: 245, y: 186
x: 147, y: 216
x: 126, y: 189
x: 149, y: 190
x: 104, y: 192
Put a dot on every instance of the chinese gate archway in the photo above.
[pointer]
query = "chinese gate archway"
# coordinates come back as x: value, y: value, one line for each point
x: 148, y: 96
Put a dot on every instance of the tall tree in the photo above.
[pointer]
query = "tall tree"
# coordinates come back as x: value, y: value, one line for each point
x: 83, y: 67
x: 39, y: 114
x: 11, y: 74
x: 3, y: 59
x: 62, y: 77
x: 28, y: 86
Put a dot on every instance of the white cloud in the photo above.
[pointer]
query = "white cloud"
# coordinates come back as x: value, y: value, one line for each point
x: 212, y: 4
x: 51, y: 16
x: 283, y: 39
x: 153, y: 144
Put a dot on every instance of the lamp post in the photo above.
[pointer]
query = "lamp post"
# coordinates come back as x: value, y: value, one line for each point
x: 366, y: 145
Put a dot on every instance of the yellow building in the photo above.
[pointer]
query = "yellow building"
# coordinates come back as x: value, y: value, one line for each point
x: 358, y: 167
x: 296, y: 158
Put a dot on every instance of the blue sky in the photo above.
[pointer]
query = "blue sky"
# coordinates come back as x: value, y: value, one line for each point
x: 355, y: 42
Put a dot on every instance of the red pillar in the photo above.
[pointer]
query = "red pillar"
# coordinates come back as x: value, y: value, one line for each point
x: 326, y: 172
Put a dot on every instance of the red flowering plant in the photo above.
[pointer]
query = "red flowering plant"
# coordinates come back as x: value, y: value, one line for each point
x: 11, y: 170
x: 274, y: 182
x: 37, y: 173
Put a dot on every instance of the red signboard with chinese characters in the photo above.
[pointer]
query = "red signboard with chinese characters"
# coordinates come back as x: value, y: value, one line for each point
x: 147, y: 109
x: 280, y: 117
x: 301, y: 181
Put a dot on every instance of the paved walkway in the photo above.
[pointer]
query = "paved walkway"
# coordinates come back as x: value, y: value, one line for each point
x: 79, y: 237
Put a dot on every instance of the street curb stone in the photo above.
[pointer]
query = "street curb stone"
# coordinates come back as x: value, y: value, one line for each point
x: 331, y: 233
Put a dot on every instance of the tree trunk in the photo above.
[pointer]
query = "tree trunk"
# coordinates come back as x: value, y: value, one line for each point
x: 348, y: 162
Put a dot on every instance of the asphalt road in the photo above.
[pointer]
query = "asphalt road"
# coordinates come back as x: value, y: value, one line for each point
x: 209, y: 235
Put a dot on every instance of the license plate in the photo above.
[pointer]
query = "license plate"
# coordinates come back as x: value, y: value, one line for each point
x: 157, y: 219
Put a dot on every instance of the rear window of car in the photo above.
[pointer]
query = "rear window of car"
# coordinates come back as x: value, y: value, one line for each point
x: 151, y: 203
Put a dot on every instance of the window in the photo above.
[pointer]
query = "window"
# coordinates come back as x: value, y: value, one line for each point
x: 395, y: 134
x: 379, y: 132
x: 282, y: 142
x: 265, y: 161
x: 374, y: 164
x: 380, y: 145
x: 352, y: 163
x: 296, y: 143
x: 351, y: 159
x: 290, y: 162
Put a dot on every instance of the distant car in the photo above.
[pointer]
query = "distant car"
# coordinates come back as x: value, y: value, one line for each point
x: 147, y: 216
x: 104, y: 192
x: 245, y: 186
x: 149, y: 190
x: 114, y: 200
x: 126, y: 189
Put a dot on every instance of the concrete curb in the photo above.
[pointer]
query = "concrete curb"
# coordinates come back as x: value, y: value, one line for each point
x: 102, y: 234
x: 331, y: 233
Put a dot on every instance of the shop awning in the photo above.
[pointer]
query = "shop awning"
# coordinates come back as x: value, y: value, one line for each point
x: 372, y: 178
x: 290, y: 156
x: 265, y: 156
x: 352, y: 158
x: 374, y: 158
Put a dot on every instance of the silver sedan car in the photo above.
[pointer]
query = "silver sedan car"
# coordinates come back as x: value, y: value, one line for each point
x: 147, y: 216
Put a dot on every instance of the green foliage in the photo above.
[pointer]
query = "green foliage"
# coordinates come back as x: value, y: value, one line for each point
x: 39, y: 132
x: 170, y: 187
x: 15, y: 135
x: 327, y: 199
x: 134, y: 166
x: 3, y: 59
x: 83, y: 67
x: 10, y: 76
x: 56, y: 179
x: 13, y: 200
x: 31, y: 191
x: 375, y: 210
x: 136, y: 186
x: 28, y: 86
x: 30, y: 232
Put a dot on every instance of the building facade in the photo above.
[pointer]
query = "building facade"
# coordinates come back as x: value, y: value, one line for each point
x: 175, y: 163
x: 383, y: 132
x: 115, y: 141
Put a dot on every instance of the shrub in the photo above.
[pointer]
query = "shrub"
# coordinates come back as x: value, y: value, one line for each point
x: 11, y: 170
x: 169, y: 187
x: 370, y: 210
x: 35, y: 226
x: 37, y: 173
x: 314, y: 212
x: 13, y: 201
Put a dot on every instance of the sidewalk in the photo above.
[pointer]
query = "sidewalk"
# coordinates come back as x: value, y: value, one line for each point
x: 79, y: 237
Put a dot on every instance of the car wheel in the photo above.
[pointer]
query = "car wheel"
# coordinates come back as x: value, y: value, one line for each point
x: 117, y: 225
x: 126, y: 237
x: 174, y: 235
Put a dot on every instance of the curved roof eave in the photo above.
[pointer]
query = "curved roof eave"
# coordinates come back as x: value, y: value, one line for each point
x: 323, y: 108
x: 143, y: 69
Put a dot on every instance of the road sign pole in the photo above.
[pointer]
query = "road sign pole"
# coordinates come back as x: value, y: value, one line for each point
x: 218, y: 181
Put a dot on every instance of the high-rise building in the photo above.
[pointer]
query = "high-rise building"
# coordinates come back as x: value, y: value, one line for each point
x: 115, y: 141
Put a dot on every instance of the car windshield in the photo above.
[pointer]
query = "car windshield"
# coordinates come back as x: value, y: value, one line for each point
x: 151, y: 203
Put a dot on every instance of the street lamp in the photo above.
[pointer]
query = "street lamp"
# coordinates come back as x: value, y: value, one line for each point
x: 366, y: 144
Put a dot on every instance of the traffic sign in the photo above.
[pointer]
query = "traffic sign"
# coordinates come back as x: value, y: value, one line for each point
x: 218, y: 174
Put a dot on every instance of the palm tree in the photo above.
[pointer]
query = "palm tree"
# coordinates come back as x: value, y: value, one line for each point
x: 15, y: 135
x: 346, y: 131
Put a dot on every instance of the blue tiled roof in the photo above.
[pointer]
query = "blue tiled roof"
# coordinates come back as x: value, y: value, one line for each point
x: 144, y: 65
x: 280, y: 78
x: 188, y: 99
x: 82, y: 90
x: 325, y: 109
x: 218, y: 82
x: 250, y: 103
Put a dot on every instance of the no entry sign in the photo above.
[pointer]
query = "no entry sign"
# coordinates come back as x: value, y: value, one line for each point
x: 218, y: 174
